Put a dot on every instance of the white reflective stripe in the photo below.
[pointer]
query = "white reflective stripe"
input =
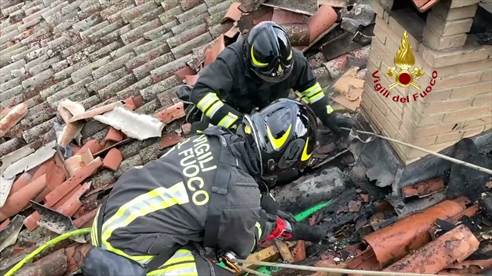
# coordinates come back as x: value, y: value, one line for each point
x: 216, y: 106
x: 315, y: 88
x: 207, y: 101
x: 94, y: 234
x: 228, y: 120
x: 329, y: 109
x: 154, y: 200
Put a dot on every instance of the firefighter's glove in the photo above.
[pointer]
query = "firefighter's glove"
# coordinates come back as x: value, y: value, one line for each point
x: 335, y: 121
x: 305, y: 232
x: 283, y: 229
x: 272, y: 207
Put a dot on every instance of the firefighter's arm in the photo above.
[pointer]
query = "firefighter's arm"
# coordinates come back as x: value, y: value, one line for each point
x: 311, y: 93
x: 215, y: 78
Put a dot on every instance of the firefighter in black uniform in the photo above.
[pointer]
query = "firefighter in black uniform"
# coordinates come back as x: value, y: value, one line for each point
x: 251, y: 73
x: 203, y: 193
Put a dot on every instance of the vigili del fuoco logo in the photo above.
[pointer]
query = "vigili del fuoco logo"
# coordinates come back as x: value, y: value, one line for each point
x: 404, y: 74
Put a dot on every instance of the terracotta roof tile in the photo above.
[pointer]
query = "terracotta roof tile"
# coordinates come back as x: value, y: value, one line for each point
x: 113, y: 159
x: 59, y: 192
x: 170, y: 139
x: 188, y: 4
x: 17, y: 201
x: 144, y: 70
x: 153, y: 90
x: 233, y: 13
x: 187, y: 35
x: 114, y: 135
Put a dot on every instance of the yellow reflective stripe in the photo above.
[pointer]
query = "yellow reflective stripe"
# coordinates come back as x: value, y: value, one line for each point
x: 305, y: 156
x: 228, y: 120
x: 180, y: 256
x: 329, y: 109
x: 216, y: 106
x: 207, y: 101
x: 290, y: 55
x: 154, y: 200
x: 185, y: 269
x: 277, y: 143
x: 315, y: 88
x: 256, y: 62
x: 316, y: 97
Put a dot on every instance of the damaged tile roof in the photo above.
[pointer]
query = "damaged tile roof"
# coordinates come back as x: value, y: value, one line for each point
x: 68, y: 69
x: 73, y: 68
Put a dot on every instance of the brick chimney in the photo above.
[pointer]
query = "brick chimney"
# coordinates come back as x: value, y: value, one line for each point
x: 451, y: 100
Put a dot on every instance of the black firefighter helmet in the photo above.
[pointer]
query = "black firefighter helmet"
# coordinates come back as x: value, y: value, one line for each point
x: 268, y: 52
x: 284, y: 135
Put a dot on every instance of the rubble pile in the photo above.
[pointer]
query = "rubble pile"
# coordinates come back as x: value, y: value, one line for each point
x: 88, y: 91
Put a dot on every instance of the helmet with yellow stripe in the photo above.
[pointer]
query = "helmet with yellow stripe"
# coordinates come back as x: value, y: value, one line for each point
x: 284, y: 136
x: 268, y: 52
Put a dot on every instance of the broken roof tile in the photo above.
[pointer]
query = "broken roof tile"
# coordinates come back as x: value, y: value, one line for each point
x: 13, y: 116
x: 95, y: 111
x: 138, y: 126
x: 321, y: 21
x: 20, y: 182
x: 93, y: 145
x: 281, y: 16
x: 113, y: 159
x: 17, y: 201
x: 86, y: 219
x: 72, y: 204
x: 133, y: 102
x: 170, y: 139
x: 171, y: 113
x: 114, y: 135
x: 233, y: 13
x: 412, y: 231
x: 181, y: 73
x: 453, y: 246
x: 213, y: 51
x: 423, y: 188
x: 71, y: 183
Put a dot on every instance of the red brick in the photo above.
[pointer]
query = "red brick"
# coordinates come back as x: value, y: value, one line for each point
x: 72, y: 203
x: 12, y: 118
x: 113, y: 159
x: 170, y: 139
x: 185, y: 71
x: 59, y: 192
x: 114, y: 135
x: 17, y: 201
x: 22, y: 181
x: 85, y: 220
x: 171, y: 113
x: 93, y: 144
